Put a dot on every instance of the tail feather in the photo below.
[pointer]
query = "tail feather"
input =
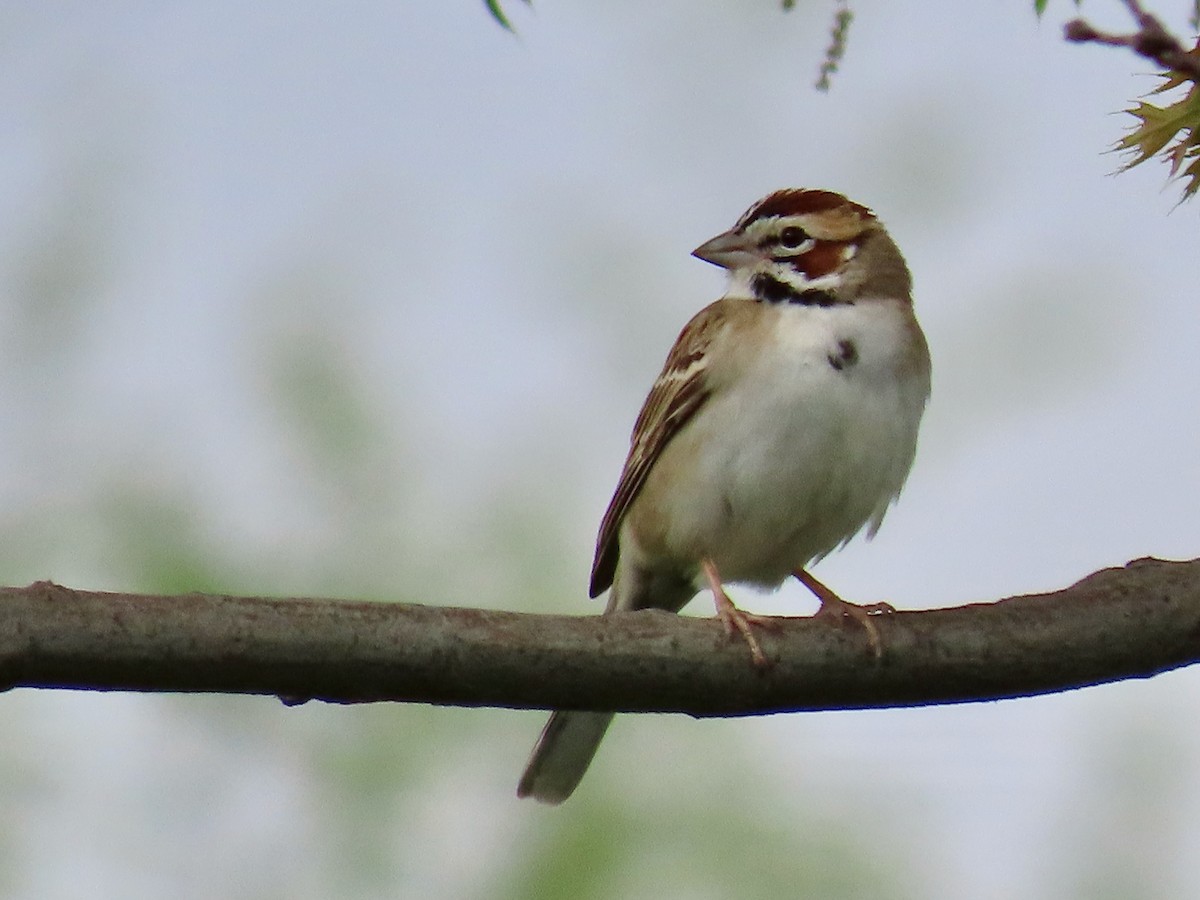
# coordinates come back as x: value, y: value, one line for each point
x: 562, y: 754
x: 569, y: 740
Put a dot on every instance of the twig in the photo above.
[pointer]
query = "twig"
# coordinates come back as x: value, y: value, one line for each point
x: 1151, y: 40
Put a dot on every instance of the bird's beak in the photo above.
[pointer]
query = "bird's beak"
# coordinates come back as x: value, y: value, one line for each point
x: 729, y: 251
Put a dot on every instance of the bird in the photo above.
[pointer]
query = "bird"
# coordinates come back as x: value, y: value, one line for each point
x: 783, y: 423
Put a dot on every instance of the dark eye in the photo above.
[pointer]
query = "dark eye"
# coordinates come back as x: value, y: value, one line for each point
x: 792, y: 237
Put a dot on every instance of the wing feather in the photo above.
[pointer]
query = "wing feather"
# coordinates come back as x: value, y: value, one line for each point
x: 679, y: 391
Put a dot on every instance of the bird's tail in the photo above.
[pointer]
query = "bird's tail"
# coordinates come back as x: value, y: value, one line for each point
x: 569, y: 740
x: 562, y: 754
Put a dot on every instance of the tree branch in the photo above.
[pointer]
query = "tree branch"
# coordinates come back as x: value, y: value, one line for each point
x: 1131, y: 622
x: 1151, y: 40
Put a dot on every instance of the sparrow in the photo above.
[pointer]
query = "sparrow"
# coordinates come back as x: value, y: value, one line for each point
x: 784, y: 422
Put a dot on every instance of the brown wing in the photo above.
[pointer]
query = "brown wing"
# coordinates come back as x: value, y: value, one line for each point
x: 680, y: 390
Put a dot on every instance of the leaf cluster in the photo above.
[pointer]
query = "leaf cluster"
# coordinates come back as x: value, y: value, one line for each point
x: 1170, y: 131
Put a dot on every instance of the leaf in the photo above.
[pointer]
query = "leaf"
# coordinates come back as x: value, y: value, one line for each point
x: 1039, y: 6
x: 1158, y: 126
x: 497, y: 11
x: 1189, y: 148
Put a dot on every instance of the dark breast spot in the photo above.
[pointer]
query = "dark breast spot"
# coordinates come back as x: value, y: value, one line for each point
x: 844, y: 356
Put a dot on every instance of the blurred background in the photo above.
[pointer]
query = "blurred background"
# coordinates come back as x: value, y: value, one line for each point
x: 360, y: 300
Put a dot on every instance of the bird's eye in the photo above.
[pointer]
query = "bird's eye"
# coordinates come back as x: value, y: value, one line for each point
x: 792, y: 237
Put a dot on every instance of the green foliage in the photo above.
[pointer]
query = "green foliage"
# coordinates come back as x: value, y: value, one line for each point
x: 842, y: 17
x: 1157, y: 127
x: 709, y: 841
x: 837, y: 45
x: 497, y: 11
x: 1039, y: 6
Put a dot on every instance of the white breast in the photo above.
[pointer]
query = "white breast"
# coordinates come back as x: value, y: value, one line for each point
x: 812, y: 442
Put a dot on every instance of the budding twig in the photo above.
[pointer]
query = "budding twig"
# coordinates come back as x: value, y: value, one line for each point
x: 1151, y: 40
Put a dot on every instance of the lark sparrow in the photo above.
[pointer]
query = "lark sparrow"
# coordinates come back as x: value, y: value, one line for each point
x: 784, y: 420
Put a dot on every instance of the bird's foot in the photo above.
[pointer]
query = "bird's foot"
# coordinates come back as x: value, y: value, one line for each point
x: 834, y: 606
x: 736, y: 620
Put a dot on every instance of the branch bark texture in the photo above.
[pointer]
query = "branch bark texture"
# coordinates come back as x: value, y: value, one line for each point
x: 1128, y: 622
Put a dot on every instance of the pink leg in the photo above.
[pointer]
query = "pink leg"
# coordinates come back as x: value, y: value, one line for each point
x: 733, y: 618
x: 833, y: 605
